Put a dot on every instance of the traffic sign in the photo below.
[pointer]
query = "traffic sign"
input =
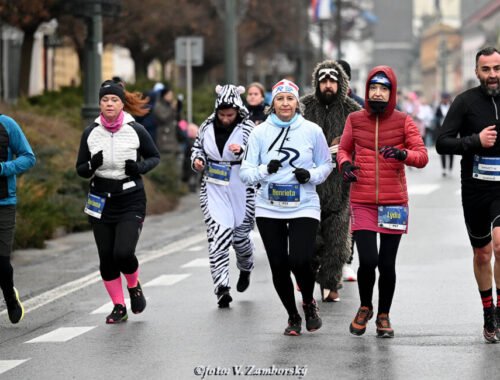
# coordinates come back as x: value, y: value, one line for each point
x: 189, y: 51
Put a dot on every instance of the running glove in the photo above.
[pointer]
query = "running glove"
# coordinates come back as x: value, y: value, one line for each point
x: 348, y: 170
x: 131, y: 168
x: 392, y: 152
x: 273, y: 166
x: 96, y: 160
x: 302, y: 175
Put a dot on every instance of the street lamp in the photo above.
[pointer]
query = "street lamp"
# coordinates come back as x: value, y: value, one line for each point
x: 92, y: 11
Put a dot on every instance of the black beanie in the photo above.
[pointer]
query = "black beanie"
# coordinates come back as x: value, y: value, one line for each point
x: 111, y: 88
x: 346, y: 67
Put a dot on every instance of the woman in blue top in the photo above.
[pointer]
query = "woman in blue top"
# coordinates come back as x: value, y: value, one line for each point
x: 287, y: 156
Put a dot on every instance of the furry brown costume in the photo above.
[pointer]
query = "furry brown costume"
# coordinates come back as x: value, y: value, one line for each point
x: 333, y: 242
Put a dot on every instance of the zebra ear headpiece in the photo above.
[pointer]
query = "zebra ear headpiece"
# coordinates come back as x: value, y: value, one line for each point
x: 229, y: 96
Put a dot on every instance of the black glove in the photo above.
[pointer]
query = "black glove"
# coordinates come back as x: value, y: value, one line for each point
x: 302, y: 175
x: 96, y: 160
x: 131, y: 168
x: 392, y: 152
x: 348, y: 172
x: 273, y: 166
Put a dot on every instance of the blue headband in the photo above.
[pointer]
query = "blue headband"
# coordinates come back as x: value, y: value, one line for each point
x: 381, y: 78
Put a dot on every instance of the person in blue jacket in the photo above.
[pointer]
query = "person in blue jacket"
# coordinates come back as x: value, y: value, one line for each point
x: 16, y: 157
x: 287, y: 156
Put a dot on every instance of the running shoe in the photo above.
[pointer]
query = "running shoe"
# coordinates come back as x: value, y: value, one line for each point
x: 223, y: 297
x: 15, y: 308
x: 384, y: 329
x: 313, y: 320
x: 490, y: 326
x: 328, y: 295
x: 137, y: 299
x: 243, y: 281
x: 294, y: 325
x: 118, y: 315
x: 348, y: 274
x: 358, y: 325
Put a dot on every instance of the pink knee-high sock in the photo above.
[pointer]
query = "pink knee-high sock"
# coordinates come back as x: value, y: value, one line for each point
x: 132, y: 279
x: 115, y: 290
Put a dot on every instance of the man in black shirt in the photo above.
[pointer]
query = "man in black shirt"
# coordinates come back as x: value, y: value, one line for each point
x: 474, y: 115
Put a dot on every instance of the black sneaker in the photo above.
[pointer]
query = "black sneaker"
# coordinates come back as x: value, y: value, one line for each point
x: 118, y: 315
x: 490, y: 326
x: 223, y: 297
x: 243, y: 281
x: 137, y: 299
x: 14, y: 307
x: 294, y: 325
x: 313, y: 321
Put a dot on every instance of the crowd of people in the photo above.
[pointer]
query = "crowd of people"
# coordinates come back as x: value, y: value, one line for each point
x: 317, y: 174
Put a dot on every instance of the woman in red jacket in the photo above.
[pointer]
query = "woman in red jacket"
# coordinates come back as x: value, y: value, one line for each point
x: 382, y: 140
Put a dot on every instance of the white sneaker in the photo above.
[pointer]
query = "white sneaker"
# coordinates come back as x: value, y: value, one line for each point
x: 348, y: 274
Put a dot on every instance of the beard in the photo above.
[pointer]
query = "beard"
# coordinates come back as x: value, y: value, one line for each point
x: 490, y: 91
x: 327, y: 97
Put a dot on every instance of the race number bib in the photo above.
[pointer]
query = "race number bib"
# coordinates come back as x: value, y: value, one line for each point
x: 284, y: 195
x: 393, y: 217
x: 486, y: 168
x: 218, y: 173
x: 94, y: 205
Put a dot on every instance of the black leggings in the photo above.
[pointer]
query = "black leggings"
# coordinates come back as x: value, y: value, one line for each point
x: 289, y: 245
x: 369, y: 260
x: 6, y: 276
x: 116, y: 247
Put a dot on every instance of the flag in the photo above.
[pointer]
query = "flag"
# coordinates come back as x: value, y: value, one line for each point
x: 322, y: 9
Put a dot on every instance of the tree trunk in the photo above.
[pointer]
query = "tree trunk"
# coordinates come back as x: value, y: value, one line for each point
x: 26, y: 53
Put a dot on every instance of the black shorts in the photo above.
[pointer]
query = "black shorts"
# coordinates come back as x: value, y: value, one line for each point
x: 481, y: 205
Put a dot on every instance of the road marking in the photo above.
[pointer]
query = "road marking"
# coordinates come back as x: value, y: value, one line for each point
x: 62, y: 334
x: 6, y: 365
x: 166, y: 280
x: 72, y: 286
x: 196, y: 248
x: 423, y: 189
x: 197, y: 263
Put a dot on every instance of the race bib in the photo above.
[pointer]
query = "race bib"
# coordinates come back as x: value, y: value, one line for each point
x: 218, y: 173
x: 94, y: 206
x: 393, y: 217
x: 284, y: 195
x: 486, y: 168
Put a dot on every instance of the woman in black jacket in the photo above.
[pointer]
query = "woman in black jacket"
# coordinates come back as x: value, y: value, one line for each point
x: 114, y: 151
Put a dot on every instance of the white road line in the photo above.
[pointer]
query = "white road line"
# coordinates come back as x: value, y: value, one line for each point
x: 197, y: 263
x: 166, y: 280
x: 71, y: 287
x: 422, y: 189
x: 6, y: 365
x: 62, y: 334
x: 196, y: 248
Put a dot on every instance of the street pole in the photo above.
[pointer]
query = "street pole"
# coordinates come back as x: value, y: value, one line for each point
x: 339, y: 29
x: 92, y: 77
x: 230, y: 45
x: 444, y: 60
x: 321, y: 40
x: 189, y: 82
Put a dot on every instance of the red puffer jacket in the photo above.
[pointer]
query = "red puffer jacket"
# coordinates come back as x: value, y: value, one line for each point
x: 380, y: 180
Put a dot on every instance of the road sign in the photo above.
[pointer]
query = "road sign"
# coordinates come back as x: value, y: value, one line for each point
x: 189, y: 49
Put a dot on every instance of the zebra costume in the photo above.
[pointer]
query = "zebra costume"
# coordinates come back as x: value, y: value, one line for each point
x: 228, y: 205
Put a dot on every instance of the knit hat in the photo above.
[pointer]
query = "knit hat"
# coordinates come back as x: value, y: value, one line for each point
x: 110, y: 87
x: 285, y: 85
x: 346, y: 67
x: 381, y: 78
